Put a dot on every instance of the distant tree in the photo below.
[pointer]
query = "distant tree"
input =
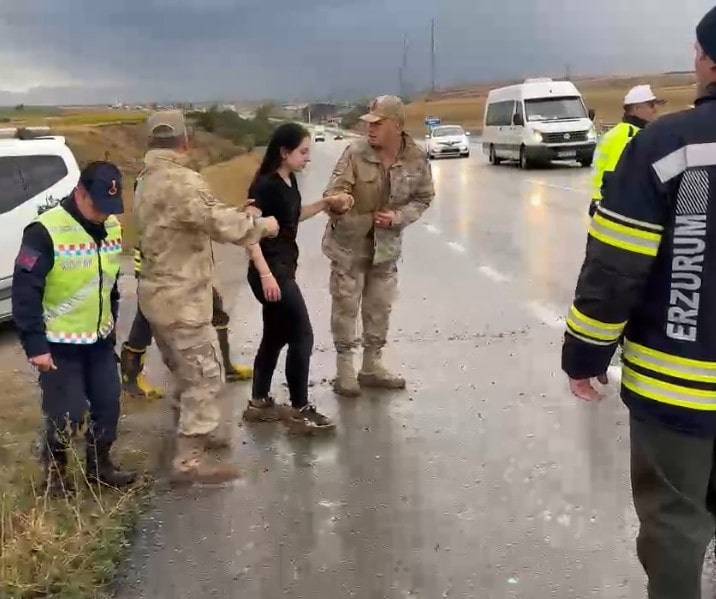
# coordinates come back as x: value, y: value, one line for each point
x: 351, y: 119
x: 19, y: 108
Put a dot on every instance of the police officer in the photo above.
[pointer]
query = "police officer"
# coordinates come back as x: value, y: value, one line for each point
x: 389, y: 177
x: 65, y: 305
x: 640, y: 109
x: 650, y: 273
x: 177, y: 218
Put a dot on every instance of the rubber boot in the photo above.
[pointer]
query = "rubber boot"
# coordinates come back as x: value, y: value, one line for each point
x: 54, y: 466
x: 101, y: 470
x: 134, y: 383
x: 346, y: 383
x: 234, y: 372
x: 375, y: 375
x: 191, y: 463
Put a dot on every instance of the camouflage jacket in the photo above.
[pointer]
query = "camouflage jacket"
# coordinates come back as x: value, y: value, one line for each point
x: 177, y: 218
x: 406, y: 188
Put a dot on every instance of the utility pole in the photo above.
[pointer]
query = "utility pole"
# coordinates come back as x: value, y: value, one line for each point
x: 432, y: 56
x: 404, y: 69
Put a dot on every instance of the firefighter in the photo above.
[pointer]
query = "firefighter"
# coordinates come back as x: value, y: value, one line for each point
x: 650, y: 275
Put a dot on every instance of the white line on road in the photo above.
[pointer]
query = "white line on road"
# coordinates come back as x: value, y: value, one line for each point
x: 457, y: 247
x: 494, y: 275
x: 555, y: 186
x: 546, y: 314
x: 432, y: 229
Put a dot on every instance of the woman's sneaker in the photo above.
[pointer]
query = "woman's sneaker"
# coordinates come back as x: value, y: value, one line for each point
x: 307, y: 420
x: 262, y: 410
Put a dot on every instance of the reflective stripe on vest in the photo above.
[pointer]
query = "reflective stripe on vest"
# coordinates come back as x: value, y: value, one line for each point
x: 657, y: 365
x: 77, y: 299
x: 608, y: 153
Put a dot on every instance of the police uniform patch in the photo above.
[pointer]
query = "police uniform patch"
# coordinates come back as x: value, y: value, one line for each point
x: 27, y: 258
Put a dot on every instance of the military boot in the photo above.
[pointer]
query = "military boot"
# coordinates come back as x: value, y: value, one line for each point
x: 191, y: 463
x: 346, y: 383
x: 134, y: 383
x: 56, y: 483
x: 375, y: 375
x: 102, y: 471
x: 234, y: 372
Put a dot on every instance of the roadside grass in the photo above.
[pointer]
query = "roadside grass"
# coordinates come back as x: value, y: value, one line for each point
x: 69, y: 547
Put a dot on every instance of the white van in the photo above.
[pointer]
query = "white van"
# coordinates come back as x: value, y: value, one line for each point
x: 35, y: 174
x: 538, y: 121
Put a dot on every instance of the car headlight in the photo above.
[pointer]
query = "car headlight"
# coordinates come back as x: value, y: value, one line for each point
x: 592, y: 135
x: 537, y: 137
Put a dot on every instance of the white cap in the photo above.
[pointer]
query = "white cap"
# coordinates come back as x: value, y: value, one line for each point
x: 640, y: 95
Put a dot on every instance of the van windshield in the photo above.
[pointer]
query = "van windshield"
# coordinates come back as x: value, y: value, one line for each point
x: 555, y: 109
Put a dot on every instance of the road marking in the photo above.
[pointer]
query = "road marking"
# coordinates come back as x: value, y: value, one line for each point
x: 432, y: 229
x: 494, y: 275
x: 555, y: 186
x: 457, y: 247
x: 546, y: 314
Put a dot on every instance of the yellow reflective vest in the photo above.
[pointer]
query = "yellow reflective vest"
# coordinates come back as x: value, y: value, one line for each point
x: 609, y: 151
x: 77, y: 306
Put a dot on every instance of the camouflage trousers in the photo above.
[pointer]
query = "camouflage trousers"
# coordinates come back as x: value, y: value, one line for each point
x: 370, y: 288
x: 191, y: 354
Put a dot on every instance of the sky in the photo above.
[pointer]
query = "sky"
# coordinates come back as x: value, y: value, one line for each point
x: 97, y: 51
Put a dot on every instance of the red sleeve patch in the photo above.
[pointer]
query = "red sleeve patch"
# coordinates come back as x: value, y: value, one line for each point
x: 27, y: 258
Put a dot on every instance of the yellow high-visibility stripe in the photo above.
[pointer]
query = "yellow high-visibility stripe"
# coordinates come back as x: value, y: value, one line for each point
x: 625, y: 230
x: 668, y: 393
x: 669, y: 365
x: 647, y: 250
x: 573, y: 333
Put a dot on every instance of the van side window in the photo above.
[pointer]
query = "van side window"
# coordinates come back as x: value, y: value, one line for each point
x: 23, y: 177
x: 500, y: 114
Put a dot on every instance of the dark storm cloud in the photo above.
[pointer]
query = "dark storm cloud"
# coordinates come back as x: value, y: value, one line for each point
x: 203, y: 49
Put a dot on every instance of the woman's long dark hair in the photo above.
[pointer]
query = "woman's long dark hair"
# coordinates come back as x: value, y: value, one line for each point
x: 287, y: 137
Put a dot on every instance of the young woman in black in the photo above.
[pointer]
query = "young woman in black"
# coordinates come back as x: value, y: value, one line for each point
x: 272, y: 277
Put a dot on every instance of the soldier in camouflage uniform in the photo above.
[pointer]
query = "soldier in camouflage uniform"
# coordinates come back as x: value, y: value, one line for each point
x: 177, y: 218
x: 389, y: 177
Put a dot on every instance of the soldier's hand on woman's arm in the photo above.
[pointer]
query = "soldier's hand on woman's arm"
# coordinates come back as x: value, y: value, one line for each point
x: 270, y: 226
x: 339, y: 203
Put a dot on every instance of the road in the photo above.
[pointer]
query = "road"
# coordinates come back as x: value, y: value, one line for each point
x: 485, y: 479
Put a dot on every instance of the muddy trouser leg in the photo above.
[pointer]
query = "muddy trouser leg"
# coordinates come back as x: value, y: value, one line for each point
x: 192, y: 355
x: 347, y: 282
x: 103, y: 390
x: 673, y: 483
x: 272, y: 342
x: 381, y: 284
x: 64, y: 400
x: 140, y: 335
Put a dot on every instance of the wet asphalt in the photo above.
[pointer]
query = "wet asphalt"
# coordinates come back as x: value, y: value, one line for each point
x: 484, y: 479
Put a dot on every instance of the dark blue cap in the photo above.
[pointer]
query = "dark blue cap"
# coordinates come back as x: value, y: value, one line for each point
x: 103, y: 182
x: 706, y: 34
